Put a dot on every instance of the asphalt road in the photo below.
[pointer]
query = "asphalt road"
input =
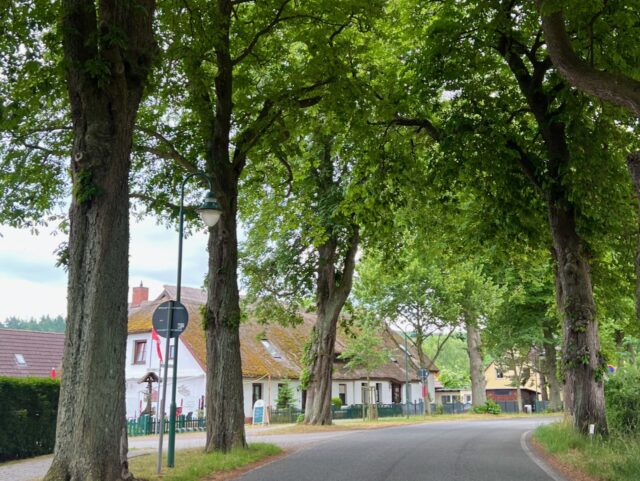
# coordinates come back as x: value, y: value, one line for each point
x: 451, y: 451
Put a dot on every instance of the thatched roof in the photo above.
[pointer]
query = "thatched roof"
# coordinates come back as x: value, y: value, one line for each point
x: 281, y: 355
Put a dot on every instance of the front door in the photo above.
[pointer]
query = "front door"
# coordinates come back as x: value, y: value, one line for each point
x: 396, y: 393
x: 256, y: 392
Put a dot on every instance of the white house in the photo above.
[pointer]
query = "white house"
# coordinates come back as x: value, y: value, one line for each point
x: 271, y: 355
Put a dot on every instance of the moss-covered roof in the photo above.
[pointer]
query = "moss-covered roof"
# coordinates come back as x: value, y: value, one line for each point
x: 286, y: 343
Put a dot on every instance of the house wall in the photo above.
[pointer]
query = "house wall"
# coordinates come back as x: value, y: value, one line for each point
x: 506, y: 382
x: 269, y: 392
x: 510, y: 394
x: 191, y: 377
x: 191, y: 383
x: 464, y: 395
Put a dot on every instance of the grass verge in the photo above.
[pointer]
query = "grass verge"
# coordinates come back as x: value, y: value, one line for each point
x: 612, y: 459
x: 356, y: 424
x: 195, y: 465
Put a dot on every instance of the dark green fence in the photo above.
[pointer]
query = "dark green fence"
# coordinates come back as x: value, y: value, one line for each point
x: 145, y: 425
x: 148, y: 425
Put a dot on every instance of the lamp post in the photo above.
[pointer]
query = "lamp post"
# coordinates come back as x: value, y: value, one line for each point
x: 209, y: 213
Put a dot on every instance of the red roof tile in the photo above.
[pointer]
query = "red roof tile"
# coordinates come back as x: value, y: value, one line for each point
x: 41, y: 352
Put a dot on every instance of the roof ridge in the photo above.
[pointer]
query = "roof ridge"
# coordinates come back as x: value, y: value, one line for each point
x: 29, y: 330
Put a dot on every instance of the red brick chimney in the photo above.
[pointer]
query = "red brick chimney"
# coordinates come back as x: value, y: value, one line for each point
x: 140, y: 295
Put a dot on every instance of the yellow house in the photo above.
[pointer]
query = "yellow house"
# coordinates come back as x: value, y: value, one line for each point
x: 496, y: 378
x: 501, y: 385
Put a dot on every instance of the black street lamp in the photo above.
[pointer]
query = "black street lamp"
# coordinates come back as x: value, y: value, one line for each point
x: 209, y: 212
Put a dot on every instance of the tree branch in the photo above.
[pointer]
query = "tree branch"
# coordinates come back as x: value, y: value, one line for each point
x: 618, y: 89
x: 422, y: 124
x: 250, y: 136
x: 526, y: 164
x: 170, y: 154
x: 349, y: 263
x: 276, y: 19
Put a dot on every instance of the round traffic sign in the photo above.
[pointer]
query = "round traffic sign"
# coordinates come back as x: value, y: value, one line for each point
x: 179, y: 318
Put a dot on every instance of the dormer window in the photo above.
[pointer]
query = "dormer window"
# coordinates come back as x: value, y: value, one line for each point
x: 271, y: 349
x: 20, y: 360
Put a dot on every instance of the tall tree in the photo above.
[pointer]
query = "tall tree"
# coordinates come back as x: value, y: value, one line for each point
x: 411, y: 294
x: 305, y: 244
x: 536, y: 138
x: 610, y: 70
x: 108, y: 49
x: 247, y: 67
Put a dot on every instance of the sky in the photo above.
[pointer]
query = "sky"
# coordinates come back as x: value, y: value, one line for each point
x: 32, y: 286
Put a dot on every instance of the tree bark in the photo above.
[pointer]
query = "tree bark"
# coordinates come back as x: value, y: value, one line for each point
x: 633, y: 163
x: 91, y: 435
x: 551, y: 369
x: 332, y: 290
x: 582, y: 360
x: 419, y: 343
x: 318, y: 409
x: 581, y: 352
x: 225, y: 405
x: 476, y: 367
x: 618, y: 89
x: 331, y: 297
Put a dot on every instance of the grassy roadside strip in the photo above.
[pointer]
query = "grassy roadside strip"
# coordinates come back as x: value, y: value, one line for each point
x: 613, y: 459
x: 195, y: 465
x: 357, y: 424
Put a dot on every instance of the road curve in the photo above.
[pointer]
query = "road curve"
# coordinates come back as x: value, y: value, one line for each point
x: 451, y: 451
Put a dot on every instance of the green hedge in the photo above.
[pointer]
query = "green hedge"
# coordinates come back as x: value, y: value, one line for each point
x: 622, y: 396
x: 28, y: 416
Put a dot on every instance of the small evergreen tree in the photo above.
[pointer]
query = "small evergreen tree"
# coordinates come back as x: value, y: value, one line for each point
x: 285, y: 396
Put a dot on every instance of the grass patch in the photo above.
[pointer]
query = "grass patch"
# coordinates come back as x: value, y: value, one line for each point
x: 194, y: 464
x: 612, y: 459
x: 356, y: 424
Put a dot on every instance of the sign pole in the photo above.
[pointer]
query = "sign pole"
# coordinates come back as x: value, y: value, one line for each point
x: 164, y: 385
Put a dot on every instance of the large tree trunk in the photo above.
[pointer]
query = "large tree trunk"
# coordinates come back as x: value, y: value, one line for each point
x: 318, y: 409
x: 225, y: 406
x: 91, y: 436
x: 633, y: 163
x: 476, y: 367
x: 582, y: 359
x: 330, y: 301
x: 551, y: 369
x: 332, y: 290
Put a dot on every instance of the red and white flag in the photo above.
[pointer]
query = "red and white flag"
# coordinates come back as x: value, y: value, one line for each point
x: 155, y: 337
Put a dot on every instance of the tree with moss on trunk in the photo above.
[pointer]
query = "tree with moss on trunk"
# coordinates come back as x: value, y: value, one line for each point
x: 105, y: 52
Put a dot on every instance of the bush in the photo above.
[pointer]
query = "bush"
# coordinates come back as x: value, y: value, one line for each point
x: 439, y: 409
x: 337, y: 402
x: 28, y: 421
x: 285, y: 398
x: 622, y: 394
x: 490, y: 407
x: 300, y: 419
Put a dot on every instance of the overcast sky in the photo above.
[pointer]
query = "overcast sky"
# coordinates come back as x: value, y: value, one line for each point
x: 32, y: 286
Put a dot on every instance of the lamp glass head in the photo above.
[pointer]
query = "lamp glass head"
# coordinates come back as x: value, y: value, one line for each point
x: 210, y: 210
